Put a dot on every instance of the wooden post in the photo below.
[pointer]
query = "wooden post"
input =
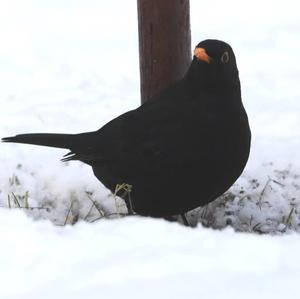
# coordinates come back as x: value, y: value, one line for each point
x: 164, y: 43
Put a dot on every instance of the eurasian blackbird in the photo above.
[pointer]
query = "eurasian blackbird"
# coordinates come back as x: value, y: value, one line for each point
x: 181, y: 149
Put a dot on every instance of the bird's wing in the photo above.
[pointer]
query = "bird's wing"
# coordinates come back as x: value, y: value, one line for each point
x: 155, y: 135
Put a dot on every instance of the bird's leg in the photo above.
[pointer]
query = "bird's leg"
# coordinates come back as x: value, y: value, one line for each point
x: 184, y: 220
x: 171, y: 218
x: 176, y: 218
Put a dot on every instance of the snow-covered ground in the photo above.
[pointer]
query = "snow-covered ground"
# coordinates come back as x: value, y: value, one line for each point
x: 142, y: 258
x: 71, y: 66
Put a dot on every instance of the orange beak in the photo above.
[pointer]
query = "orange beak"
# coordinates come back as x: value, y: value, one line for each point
x: 200, y: 53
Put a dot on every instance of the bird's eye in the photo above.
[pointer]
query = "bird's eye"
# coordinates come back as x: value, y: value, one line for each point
x: 225, y: 57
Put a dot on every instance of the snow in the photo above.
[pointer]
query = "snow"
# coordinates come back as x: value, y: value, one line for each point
x: 138, y: 257
x: 71, y: 66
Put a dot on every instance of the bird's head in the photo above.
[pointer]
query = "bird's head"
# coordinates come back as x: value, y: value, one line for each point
x: 214, y: 66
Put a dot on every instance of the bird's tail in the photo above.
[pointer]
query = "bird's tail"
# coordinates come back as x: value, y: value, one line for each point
x: 53, y: 140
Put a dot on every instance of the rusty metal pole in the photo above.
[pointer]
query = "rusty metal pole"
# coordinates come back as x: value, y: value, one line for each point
x: 164, y: 43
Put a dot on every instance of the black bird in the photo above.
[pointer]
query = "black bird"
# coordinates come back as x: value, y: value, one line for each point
x: 178, y: 151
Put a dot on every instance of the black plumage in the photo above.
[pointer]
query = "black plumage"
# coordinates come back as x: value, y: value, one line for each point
x: 178, y: 151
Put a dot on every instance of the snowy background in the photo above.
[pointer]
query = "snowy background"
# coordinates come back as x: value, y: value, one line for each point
x: 71, y: 66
